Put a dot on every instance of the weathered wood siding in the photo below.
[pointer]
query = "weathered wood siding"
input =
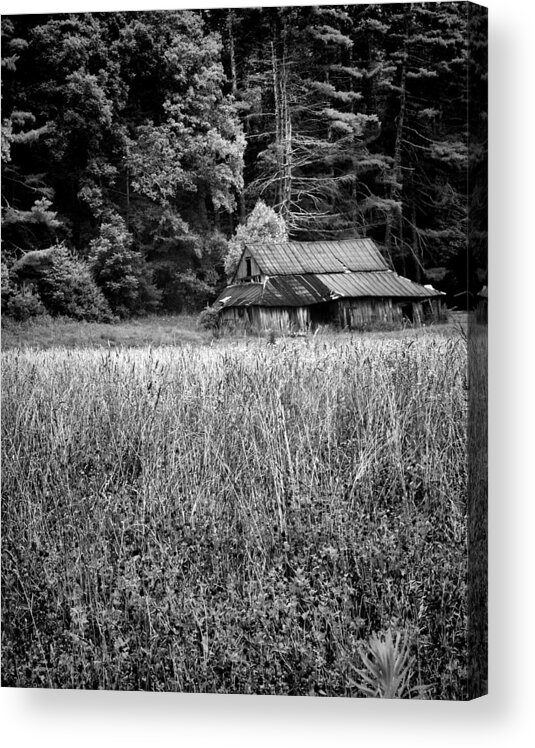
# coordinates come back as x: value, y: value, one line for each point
x: 355, y: 313
x: 434, y: 310
x: 352, y: 314
x: 283, y: 319
x: 241, y: 273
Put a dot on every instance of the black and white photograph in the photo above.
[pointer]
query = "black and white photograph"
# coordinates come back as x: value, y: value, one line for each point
x: 245, y: 304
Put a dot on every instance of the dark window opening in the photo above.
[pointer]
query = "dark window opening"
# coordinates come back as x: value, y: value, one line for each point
x: 248, y: 269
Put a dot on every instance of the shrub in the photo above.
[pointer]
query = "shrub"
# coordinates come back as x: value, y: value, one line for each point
x: 7, y: 287
x: 190, y: 292
x: 209, y: 319
x: 24, y: 303
x: 66, y: 287
x: 121, y: 272
x: 271, y: 337
x: 19, y: 301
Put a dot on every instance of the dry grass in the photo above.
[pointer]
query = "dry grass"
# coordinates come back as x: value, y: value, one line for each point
x: 478, y: 508
x: 234, y: 518
x: 45, y: 332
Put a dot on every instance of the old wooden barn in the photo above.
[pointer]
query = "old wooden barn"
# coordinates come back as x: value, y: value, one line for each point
x: 300, y: 285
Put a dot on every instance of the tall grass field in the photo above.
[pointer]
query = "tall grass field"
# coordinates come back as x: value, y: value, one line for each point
x: 243, y: 518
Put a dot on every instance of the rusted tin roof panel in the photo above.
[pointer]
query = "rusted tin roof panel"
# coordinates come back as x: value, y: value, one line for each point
x: 306, y: 289
x: 386, y: 283
x: 288, y: 290
x: 243, y: 294
x: 295, y: 290
x: 291, y: 258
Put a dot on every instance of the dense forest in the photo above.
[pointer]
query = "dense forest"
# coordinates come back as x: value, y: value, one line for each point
x: 140, y: 149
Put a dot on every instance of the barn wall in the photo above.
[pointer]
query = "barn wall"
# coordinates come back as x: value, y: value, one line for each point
x: 346, y: 313
x: 236, y: 317
x: 281, y: 319
x: 355, y: 313
x: 242, y: 267
x: 434, y: 310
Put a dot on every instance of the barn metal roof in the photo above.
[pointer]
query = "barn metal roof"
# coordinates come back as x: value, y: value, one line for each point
x: 306, y: 289
x: 386, y: 283
x: 297, y: 290
x: 243, y: 294
x: 289, y: 290
x: 317, y: 257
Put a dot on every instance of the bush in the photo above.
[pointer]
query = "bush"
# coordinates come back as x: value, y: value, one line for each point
x: 24, y: 303
x: 66, y: 287
x: 188, y: 292
x: 19, y: 301
x: 209, y: 319
x: 121, y: 272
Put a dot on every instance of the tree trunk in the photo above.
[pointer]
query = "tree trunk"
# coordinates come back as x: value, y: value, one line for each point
x: 415, y: 245
x: 395, y: 192
x: 127, y: 191
x: 241, y: 207
x: 202, y: 207
x: 230, y: 30
x: 283, y: 122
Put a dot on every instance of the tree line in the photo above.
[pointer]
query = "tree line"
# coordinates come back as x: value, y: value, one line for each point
x: 139, y: 149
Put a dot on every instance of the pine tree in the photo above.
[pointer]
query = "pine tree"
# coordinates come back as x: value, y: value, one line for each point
x: 310, y: 169
x: 424, y: 134
x: 28, y: 218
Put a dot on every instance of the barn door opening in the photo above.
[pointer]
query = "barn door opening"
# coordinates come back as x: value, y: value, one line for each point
x: 408, y: 312
x: 320, y: 314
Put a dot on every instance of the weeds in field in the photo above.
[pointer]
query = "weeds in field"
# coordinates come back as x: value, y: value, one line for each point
x: 234, y: 519
x: 46, y: 332
x: 387, y: 665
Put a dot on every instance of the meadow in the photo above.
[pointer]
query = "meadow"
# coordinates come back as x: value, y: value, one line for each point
x: 240, y: 516
x: 46, y: 332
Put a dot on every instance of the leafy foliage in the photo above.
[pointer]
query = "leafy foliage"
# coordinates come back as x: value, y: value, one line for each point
x: 346, y: 120
x: 27, y: 214
x: 120, y: 271
x: 19, y: 301
x: 67, y: 287
x: 387, y: 665
x: 209, y: 319
x: 262, y: 225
